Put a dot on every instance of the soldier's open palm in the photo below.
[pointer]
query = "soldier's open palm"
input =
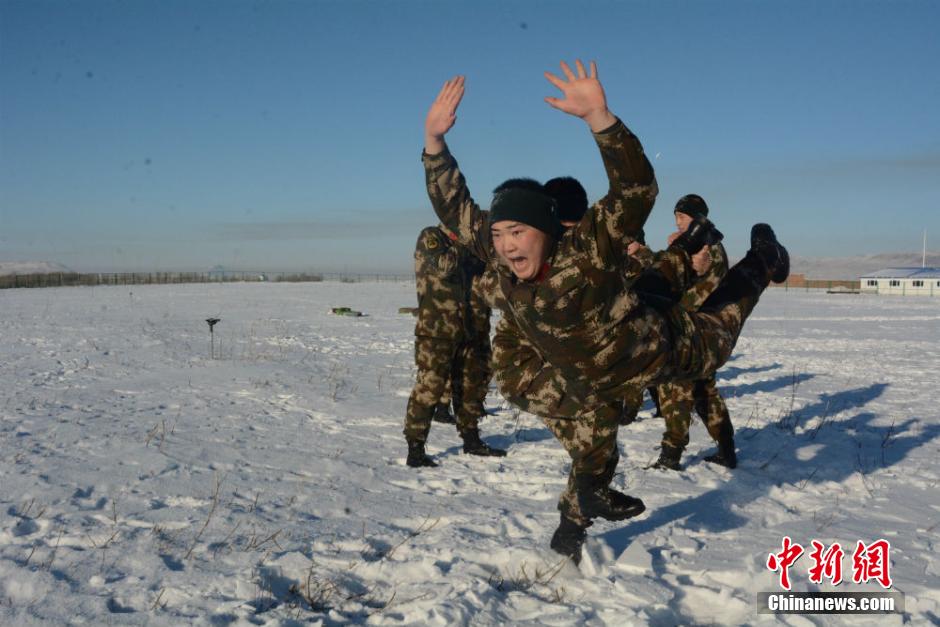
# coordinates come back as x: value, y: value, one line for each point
x: 583, y: 93
x: 443, y: 111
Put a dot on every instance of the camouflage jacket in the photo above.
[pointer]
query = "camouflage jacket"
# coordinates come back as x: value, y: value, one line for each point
x: 526, y: 380
x: 665, y: 276
x: 704, y: 285
x: 580, y: 323
x: 444, y: 276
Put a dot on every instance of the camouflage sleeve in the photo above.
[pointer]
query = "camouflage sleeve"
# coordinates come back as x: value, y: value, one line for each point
x: 618, y: 218
x: 438, y: 286
x: 453, y: 204
x: 704, y: 285
x: 634, y: 265
x: 676, y: 266
x: 432, y: 254
x: 668, y: 275
x: 479, y: 310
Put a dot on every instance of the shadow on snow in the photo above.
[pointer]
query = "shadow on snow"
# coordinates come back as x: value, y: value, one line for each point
x: 872, y: 447
x: 846, y: 446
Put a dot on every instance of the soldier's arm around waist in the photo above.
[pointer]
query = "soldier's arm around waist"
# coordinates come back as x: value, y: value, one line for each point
x: 668, y: 275
x: 704, y: 285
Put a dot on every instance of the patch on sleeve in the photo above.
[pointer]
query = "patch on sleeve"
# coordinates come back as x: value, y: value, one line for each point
x: 434, y: 241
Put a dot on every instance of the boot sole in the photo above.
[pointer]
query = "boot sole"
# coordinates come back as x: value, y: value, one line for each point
x: 720, y: 462
x: 658, y: 466
x: 784, y: 271
x: 422, y: 465
x: 763, y: 234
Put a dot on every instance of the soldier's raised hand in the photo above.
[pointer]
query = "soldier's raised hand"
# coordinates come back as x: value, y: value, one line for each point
x: 583, y: 95
x: 442, y: 115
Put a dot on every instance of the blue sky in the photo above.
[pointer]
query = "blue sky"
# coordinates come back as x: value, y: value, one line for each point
x: 286, y: 135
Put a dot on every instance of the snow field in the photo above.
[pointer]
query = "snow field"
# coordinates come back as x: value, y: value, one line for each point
x: 144, y: 482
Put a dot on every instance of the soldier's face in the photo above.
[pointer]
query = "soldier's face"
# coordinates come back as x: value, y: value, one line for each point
x: 521, y: 247
x: 683, y: 220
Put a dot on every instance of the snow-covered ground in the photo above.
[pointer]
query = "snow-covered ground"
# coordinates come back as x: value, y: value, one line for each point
x: 143, y: 482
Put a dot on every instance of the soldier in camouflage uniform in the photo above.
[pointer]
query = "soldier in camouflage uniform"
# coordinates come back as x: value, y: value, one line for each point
x: 572, y: 203
x: 580, y: 338
x: 451, y: 343
x: 679, y: 397
x: 470, y: 377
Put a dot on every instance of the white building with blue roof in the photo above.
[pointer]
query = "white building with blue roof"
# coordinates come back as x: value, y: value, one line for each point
x: 902, y: 281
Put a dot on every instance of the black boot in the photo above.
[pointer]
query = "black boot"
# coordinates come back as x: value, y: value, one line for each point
x: 771, y: 252
x: 669, y: 458
x: 701, y: 233
x: 473, y: 445
x: 628, y: 413
x: 596, y: 498
x: 725, y: 455
x: 417, y: 458
x: 568, y: 539
x: 767, y: 260
x: 442, y: 414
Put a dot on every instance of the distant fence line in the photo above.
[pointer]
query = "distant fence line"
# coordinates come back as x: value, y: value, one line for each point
x: 818, y: 284
x: 69, y: 279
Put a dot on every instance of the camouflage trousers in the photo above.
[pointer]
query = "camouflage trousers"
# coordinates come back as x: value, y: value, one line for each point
x: 587, y: 426
x: 591, y: 442
x: 700, y: 344
x: 679, y: 398
x: 633, y: 402
x: 448, y: 396
x: 466, y: 365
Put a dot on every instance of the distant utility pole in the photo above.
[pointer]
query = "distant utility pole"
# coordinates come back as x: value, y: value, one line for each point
x: 923, y: 260
x: 212, y: 322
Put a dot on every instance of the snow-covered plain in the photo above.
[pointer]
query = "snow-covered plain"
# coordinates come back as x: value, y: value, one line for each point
x: 143, y: 482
